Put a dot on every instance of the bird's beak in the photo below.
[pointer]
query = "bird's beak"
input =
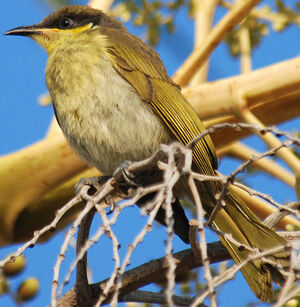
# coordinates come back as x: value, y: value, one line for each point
x: 47, y: 38
x: 24, y: 31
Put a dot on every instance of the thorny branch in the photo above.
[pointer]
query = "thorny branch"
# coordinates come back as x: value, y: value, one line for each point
x: 169, y: 164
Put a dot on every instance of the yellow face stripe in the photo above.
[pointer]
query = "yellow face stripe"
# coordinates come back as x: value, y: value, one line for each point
x: 74, y: 30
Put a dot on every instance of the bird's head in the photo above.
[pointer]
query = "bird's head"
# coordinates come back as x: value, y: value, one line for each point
x: 64, y: 24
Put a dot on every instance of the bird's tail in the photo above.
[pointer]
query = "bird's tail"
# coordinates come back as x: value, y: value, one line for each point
x: 236, y: 219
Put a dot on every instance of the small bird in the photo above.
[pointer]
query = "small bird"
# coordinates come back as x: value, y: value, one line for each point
x: 115, y: 102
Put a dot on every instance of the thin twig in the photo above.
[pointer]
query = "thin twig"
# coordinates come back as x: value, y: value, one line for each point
x: 37, y: 234
x: 280, y: 213
x: 116, y: 257
x: 202, y: 243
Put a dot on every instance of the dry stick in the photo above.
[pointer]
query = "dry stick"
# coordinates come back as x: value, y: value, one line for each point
x: 219, y: 32
x: 171, y: 176
x: 279, y: 214
x: 100, y: 197
x: 116, y: 257
x: 263, y: 209
x: 37, y: 234
x: 203, y: 244
x: 235, y: 126
x: 257, y: 157
x: 266, y: 197
x: 285, y: 154
x: 168, y: 184
x: 243, y: 152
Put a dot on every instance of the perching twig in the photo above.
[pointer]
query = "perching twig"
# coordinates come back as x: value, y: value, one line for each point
x: 82, y: 283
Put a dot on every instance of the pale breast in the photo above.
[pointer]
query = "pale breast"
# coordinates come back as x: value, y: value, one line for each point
x: 101, y: 115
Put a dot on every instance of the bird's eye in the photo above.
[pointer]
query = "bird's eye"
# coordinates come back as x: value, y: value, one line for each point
x: 66, y: 23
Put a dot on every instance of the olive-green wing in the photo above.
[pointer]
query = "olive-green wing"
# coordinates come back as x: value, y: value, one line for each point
x: 142, y: 68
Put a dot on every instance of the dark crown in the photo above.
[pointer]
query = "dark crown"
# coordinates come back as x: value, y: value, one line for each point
x: 75, y: 16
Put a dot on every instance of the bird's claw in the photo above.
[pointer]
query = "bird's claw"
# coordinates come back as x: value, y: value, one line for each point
x: 110, y: 201
x: 128, y: 177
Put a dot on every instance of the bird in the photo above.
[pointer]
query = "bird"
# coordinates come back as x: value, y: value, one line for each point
x: 115, y: 102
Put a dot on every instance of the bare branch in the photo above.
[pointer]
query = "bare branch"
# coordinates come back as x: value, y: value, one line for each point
x: 198, y: 57
x: 158, y: 298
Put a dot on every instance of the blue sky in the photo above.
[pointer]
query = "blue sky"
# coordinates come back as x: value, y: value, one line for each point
x: 23, y: 122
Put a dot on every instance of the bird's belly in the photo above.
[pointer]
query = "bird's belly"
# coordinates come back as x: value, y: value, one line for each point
x: 109, y: 124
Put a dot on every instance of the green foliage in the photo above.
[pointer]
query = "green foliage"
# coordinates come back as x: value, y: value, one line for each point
x: 154, y: 15
x: 257, y: 30
x: 259, y: 22
x: 291, y: 14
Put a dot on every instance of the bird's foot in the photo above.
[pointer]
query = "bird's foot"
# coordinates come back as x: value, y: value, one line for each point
x: 94, y: 184
x: 128, y: 178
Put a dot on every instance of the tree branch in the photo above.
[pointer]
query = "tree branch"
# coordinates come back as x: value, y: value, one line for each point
x: 219, y: 32
x: 156, y: 298
x: 153, y: 271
